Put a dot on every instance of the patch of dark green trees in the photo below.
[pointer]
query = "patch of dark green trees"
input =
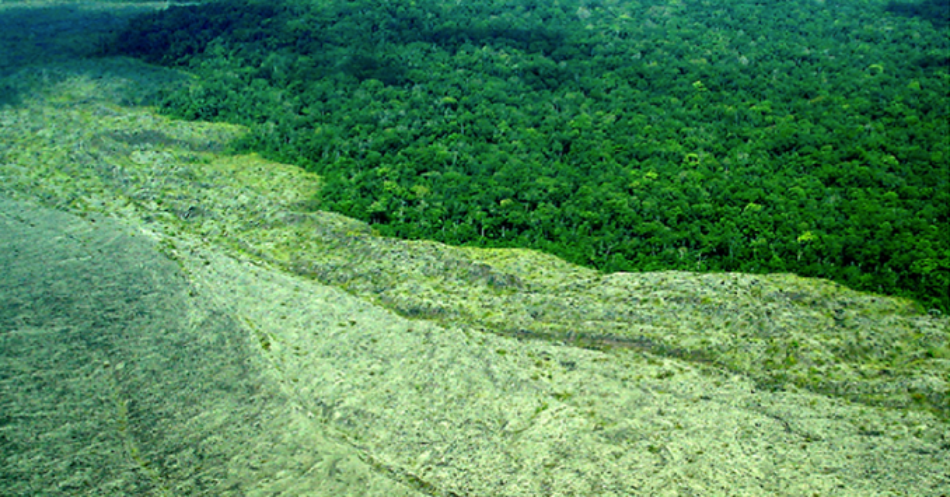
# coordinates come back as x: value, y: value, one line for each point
x: 758, y: 136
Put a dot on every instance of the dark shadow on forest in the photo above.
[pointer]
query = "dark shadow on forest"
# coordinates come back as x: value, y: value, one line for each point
x: 176, y: 35
x: 44, y: 46
x: 935, y: 11
x: 36, y: 35
x: 33, y: 36
x: 170, y: 36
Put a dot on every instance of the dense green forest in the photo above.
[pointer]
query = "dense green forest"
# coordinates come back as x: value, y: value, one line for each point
x: 804, y: 136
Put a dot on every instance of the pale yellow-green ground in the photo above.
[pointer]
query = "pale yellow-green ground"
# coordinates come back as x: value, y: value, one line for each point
x: 258, y: 346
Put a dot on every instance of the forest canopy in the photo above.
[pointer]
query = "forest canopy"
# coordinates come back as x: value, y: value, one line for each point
x: 759, y: 136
